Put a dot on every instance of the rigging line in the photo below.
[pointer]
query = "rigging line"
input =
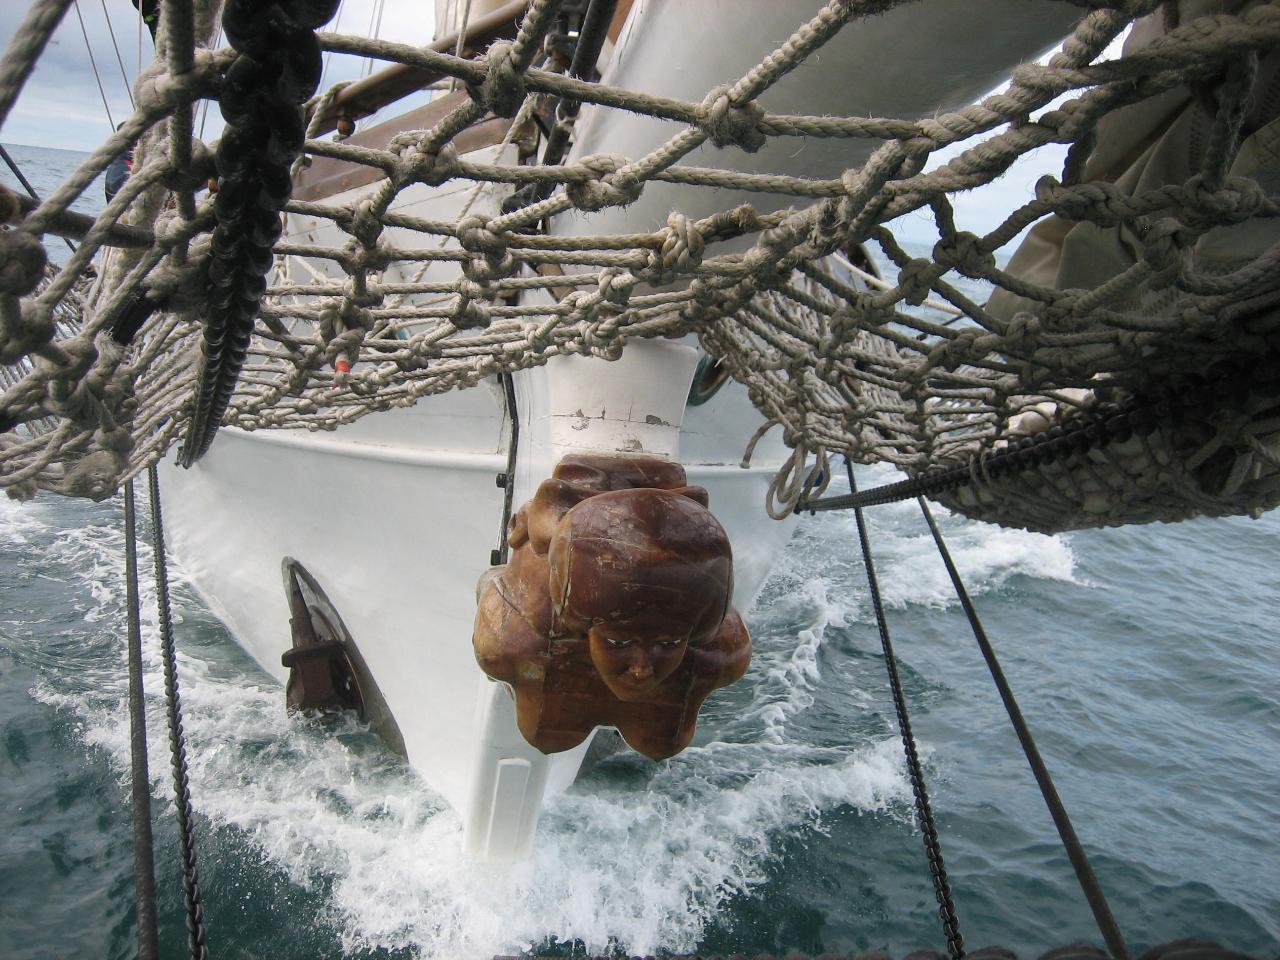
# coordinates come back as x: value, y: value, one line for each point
x: 1075, y: 851
x: 462, y: 37
x: 933, y: 848
x: 204, y: 107
x: 120, y: 60
x: 93, y: 63
x: 197, y: 942
x: 375, y: 30
x: 373, y: 14
x: 26, y: 184
x: 144, y: 866
x: 329, y: 55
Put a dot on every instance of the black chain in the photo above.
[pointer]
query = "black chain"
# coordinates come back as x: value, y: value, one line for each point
x: 933, y: 848
x: 196, y: 940
x: 277, y: 70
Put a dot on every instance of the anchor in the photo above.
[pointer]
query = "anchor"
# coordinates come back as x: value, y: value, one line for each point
x: 327, y: 673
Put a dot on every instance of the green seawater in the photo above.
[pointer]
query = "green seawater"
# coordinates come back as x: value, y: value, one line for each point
x: 1146, y: 660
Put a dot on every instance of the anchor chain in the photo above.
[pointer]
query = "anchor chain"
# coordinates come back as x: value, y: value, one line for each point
x: 924, y: 812
x: 276, y: 72
x: 196, y: 938
x: 144, y: 869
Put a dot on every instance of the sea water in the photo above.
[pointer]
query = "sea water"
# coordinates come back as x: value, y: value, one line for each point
x: 1146, y: 661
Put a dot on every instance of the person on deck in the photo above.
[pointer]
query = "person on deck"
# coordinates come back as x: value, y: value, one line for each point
x: 150, y: 11
x: 118, y: 172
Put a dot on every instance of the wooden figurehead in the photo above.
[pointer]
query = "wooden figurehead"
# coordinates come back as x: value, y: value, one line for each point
x: 615, y: 609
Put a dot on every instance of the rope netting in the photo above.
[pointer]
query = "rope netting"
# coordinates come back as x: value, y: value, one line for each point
x: 1144, y: 284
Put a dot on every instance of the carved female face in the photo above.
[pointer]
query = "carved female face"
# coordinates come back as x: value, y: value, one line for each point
x: 633, y: 664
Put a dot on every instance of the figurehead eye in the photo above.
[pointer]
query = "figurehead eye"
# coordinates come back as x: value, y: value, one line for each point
x: 617, y: 642
x: 673, y: 642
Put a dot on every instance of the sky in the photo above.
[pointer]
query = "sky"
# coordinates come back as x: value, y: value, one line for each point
x: 61, y: 105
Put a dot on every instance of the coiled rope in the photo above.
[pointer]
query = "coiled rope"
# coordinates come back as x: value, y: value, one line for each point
x: 276, y: 72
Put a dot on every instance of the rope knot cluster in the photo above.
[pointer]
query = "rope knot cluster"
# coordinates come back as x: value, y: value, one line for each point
x: 1236, y: 200
x: 965, y: 252
x: 732, y: 124
x: 604, y: 189
x: 915, y: 280
x: 432, y: 167
x: 22, y: 260
x: 681, y: 251
x: 616, y: 286
x: 494, y: 260
x: 193, y: 174
x: 503, y: 89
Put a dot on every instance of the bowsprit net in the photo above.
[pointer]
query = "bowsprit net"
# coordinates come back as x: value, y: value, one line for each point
x: 199, y: 312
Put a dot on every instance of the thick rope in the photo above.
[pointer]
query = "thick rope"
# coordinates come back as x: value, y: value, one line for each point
x: 26, y: 185
x: 24, y: 49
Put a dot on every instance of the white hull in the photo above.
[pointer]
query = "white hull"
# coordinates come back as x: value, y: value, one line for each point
x: 397, y: 535
x: 395, y: 515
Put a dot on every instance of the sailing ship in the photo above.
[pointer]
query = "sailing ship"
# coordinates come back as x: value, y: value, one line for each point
x: 622, y: 272
x: 418, y: 512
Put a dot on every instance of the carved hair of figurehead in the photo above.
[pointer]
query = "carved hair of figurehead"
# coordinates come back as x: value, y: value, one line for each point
x: 615, y: 609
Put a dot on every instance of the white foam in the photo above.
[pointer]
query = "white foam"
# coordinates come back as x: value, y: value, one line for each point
x: 908, y: 566
x: 638, y: 869
x: 986, y: 556
x: 18, y: 522
x: 787, y: 671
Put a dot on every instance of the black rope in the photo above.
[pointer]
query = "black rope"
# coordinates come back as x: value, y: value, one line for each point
x: 196, y: 940
x: 1075, y: 851
x: 933, y: 848
x: 144, y: 867
x: 276, y: 71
